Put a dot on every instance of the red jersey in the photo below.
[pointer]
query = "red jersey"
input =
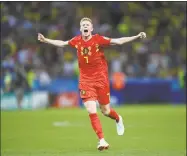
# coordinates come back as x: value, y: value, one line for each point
x: 92, y: 63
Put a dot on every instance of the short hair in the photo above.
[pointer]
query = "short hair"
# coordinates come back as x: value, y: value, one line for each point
x: 85, y: 19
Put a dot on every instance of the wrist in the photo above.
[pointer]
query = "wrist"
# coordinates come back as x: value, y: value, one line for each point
x: 138, y: 36
x: 45, y: 40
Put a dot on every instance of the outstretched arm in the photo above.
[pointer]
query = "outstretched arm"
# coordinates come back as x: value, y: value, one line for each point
x: 120, y: 41
x: 57, y: 43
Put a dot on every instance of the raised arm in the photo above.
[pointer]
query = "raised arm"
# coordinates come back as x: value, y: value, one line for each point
x: 120, y: 41
x: 57, y: 43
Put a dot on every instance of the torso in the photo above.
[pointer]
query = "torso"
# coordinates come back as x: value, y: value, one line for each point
x: 91, y: 59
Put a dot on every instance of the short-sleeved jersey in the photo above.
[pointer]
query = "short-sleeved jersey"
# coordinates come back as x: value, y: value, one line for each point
x: 92, y: 63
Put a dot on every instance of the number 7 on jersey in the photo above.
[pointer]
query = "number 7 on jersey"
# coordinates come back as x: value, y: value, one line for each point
x: 86, y: 57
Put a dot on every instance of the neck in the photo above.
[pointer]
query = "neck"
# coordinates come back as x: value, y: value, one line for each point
x: 86, y: 38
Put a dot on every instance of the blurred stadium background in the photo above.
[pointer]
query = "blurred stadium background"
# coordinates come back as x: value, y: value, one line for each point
x: 36, y: 75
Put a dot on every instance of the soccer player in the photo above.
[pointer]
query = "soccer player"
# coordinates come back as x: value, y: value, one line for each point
x: 94, y: 81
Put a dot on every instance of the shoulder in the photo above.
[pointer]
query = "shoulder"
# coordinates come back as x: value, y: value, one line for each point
x: 100, y: 37
x: 76, y: 38
x: 97, y: 37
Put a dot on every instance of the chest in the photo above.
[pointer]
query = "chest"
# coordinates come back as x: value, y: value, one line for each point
x: 90, y: 48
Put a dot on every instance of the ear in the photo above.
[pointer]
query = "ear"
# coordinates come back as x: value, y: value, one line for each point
x: 92, y: 28
x: 80, y: 28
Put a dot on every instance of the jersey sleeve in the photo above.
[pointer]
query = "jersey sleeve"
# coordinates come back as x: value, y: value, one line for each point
x: 73, y: 42
x: 104, y: 41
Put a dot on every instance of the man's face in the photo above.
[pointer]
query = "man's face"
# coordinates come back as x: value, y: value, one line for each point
x: 86, y: 28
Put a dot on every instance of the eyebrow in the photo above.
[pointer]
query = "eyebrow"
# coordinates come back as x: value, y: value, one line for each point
x: 85, y: 24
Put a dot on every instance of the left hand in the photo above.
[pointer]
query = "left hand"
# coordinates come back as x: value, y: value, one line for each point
x: 142, y: 35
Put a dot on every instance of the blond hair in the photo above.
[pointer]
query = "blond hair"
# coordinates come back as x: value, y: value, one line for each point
x: 85, y: 19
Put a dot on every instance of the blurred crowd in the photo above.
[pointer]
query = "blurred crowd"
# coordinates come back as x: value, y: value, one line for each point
x: 162, y: 54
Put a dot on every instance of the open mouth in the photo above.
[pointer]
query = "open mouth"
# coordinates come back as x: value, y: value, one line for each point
x: 85, y: 30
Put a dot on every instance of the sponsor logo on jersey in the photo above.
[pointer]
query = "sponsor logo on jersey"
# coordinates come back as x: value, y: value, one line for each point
x: 83, y: 92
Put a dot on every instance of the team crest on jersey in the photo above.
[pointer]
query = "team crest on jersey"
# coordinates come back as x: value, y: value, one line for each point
x: 86, y: 51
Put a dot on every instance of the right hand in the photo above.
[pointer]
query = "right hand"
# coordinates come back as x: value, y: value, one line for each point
x: 41, y: 38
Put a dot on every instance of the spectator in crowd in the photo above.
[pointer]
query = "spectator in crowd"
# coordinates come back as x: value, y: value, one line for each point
x: 20, y: 84
x: 161, y: 55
